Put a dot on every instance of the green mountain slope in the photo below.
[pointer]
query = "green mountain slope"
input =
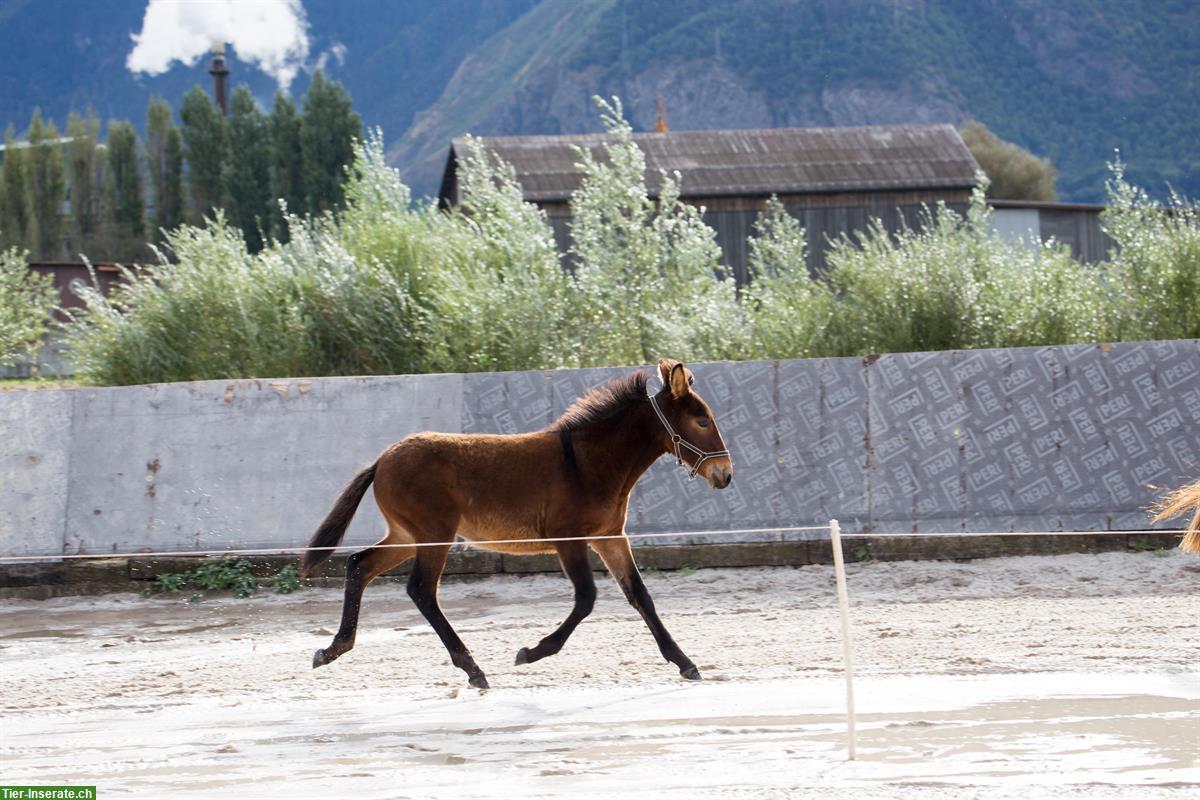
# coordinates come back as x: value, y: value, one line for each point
x: 1072, y: 80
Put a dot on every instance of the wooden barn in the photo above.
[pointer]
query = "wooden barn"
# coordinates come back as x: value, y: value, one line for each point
x: 833, y: 180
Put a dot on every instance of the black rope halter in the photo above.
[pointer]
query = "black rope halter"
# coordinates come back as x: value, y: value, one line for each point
x: 678, y: 442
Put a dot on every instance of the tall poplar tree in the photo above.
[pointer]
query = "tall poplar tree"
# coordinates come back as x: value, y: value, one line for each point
x: 15, y: 214
x: 129, y: 205
x: 163, y: 167
x: 85, y: 174
x: 327, y: 136
x: 247, y: 169
x: 204, y: 150
x: 46, y: 188
x: 287, y: 173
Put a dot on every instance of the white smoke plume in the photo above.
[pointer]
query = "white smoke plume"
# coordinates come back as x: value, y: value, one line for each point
x: 273, y: 34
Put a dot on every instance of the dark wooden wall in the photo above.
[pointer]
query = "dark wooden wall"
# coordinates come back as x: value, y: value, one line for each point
x: 825, y: 218
x: 1078, y: 228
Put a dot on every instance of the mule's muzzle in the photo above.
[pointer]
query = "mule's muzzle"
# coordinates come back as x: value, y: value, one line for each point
x: 720, y: 476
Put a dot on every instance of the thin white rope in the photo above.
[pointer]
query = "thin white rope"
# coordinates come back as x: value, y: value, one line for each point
x: 481, y: 544
x: 633, y: 537
x: 934, y: 535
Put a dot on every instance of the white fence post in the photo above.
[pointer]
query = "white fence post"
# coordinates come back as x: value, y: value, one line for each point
x: 839, y: 568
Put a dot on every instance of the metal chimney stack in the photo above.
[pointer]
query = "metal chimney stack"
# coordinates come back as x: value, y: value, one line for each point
x: 219, y: 71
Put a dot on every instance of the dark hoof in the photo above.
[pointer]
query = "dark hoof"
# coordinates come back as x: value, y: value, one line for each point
x: 691, y: 673
x: 478, y: 681
x: 320, y: 659
x: 523, y: 656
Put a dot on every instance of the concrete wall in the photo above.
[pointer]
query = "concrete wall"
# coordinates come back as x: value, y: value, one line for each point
x: 1077, y: 438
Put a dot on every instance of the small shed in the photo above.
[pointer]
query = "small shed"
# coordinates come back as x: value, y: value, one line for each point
x: 833, y: 180
x: 1076, y: 225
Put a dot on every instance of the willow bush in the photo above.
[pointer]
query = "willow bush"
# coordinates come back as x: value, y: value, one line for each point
x: 1156, y: 266
x: 27, y: 303
x: 498, y: 299
x: 319, y: 304
x: 790, y: 313
x: 952, y: 282
x: 389, y: 286
x: 647, y: 275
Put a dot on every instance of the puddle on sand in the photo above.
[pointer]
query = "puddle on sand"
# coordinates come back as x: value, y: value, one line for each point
x: 1003, y: 730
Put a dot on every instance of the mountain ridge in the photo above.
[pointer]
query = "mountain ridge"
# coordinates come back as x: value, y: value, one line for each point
x: 1071, y: 80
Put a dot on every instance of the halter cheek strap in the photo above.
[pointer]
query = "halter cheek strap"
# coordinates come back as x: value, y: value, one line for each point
x: 679, y: 443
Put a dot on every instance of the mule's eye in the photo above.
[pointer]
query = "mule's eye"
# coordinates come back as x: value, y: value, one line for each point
x: 703, y: 423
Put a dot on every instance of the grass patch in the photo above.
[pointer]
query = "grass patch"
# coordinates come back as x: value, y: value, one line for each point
x: 226, y: 575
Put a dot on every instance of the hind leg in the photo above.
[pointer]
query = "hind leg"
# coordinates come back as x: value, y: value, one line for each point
x: 573, y: 556
x: 423, y: 589
x: 361, y: 568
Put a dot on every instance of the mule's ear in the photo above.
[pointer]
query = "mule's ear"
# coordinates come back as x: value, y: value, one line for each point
x: 665, y: 366
x: 680, y: 383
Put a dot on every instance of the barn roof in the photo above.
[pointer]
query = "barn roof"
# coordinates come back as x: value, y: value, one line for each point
x: 748, y: 162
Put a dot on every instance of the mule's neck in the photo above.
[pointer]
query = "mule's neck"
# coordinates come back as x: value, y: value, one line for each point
x: 612, y: 459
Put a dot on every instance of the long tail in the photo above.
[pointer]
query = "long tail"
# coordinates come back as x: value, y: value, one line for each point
x: 333, y: 528
x: 1178, y: 502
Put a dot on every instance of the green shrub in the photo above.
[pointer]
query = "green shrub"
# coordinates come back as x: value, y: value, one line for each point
x: 648, y: 279
x: 954, y: 283
x: 789, y: 311
x: 498, y: 298
x: 1155, y: 270
x: 386, y: 286
x: 27, y: 302
x: 209, y: 309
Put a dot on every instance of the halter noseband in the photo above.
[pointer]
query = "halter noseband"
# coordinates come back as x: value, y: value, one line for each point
x: 678, y: 441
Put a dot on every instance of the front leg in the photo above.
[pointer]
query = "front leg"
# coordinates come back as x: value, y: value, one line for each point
x: 618, y: 557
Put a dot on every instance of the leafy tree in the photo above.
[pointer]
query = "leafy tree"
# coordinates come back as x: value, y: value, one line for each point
x: 204, y: 149
x: 15, y: 212
x: 247, y: 170
x: 287, y: 174
x: 46, y: 187
x: 1014, y: 172
x: 327, y: 135
x: 26, y: 302
x: 85, y: 171
x: 129, y: 205
x: 164, y: 167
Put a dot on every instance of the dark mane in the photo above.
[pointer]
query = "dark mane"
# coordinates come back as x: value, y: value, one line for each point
x: 602, y: 404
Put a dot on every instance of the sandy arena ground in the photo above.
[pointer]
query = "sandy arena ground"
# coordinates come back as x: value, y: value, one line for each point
x: 1057, y: 677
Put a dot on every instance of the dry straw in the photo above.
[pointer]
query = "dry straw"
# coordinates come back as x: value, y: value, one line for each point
x: 1180, y: 501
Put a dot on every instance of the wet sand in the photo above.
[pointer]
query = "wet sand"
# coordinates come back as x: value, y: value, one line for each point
x: 1068, y: 676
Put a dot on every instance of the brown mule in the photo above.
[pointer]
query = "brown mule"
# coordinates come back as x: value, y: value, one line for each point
x: 570, y: 480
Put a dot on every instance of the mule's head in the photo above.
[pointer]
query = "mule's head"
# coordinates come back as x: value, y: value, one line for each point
x: 692, y: 420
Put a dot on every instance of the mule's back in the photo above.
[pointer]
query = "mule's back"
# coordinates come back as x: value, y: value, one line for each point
x: 482, y: 487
